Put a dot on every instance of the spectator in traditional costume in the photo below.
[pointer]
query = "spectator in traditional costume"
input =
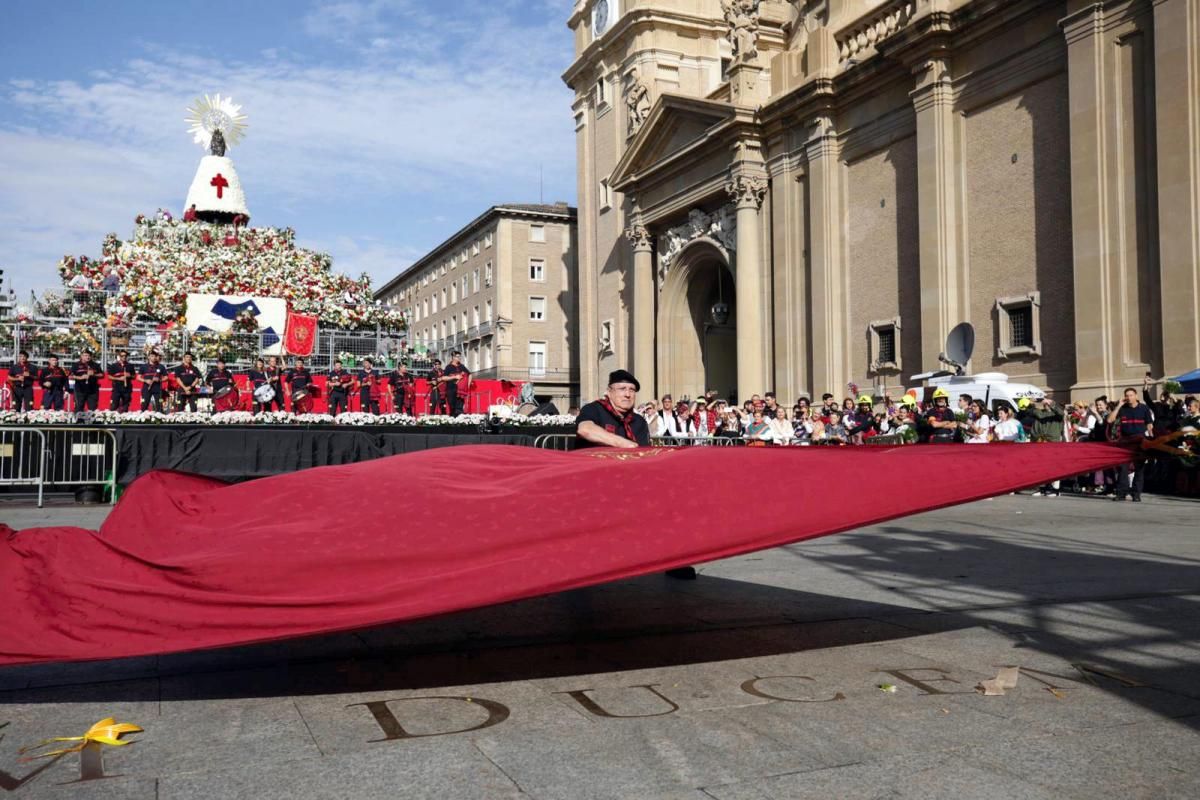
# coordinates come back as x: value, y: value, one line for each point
x: 759, y: 431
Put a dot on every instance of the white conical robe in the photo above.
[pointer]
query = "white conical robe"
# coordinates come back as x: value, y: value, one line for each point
x: 216, y: 188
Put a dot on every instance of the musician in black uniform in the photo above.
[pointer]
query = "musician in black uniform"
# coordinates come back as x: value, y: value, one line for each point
x: 457, y: 374
x: 120, y: 375
x: 188, y: 376
x: 20, y: 379
x: 298, y: 377
x: 54, y: 385
x: 612, y: 422
x: 339, y: 389
x: 153, y: 373
x: 436, y: 395
x: 257, y: 377
x: 87, y: 382
x: 368, y: 395
x: 275, y: 374
x: 403, y: 389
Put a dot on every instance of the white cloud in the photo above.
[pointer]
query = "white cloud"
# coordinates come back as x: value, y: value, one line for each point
x: 417, y: 112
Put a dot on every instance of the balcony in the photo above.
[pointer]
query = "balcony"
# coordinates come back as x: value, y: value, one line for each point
x: 547, y: 375
x: 485, y: 328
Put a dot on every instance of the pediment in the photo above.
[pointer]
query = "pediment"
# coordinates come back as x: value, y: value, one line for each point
x: 674, y: 124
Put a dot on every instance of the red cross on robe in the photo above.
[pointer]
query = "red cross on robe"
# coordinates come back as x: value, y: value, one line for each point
x: 219, y: 182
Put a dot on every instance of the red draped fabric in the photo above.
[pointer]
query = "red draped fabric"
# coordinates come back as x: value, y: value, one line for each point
x: 184, y: 562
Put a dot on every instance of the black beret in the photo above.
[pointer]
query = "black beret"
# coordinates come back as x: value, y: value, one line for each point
x: 624, y: 376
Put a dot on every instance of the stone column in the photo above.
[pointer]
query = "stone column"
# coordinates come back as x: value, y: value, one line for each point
x: 1177, y: 100
x: 748, y: 187
x: 827, y: 314
x: 643, y: 306
x: 943, y: 285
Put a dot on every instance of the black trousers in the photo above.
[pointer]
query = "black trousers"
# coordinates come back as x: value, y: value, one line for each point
x: 435, y: 402
x: 52, y: 400
x: 188, y: 400
x: 23, y: 398
x: 403, y: 407
x: 122, y: 396
x: 151, y: 395
x: 339, y: 403
x: 87, y: 399
x: 1139, y: 479
x: 366, y: 404
x: 454, y: 403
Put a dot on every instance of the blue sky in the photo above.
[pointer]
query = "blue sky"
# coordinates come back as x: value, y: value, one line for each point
x: 376, y: 128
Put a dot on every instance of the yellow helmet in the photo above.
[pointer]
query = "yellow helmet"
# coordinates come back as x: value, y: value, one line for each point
x: 940, y: 392
x: 908, y: 400
x: 865, y: 398
x: 1023, y: 403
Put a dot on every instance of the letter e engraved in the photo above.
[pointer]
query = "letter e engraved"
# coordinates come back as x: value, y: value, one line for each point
x: 924, y: 685
x: 392, y: 729
x: 750, y: 687
x: 592, y: 707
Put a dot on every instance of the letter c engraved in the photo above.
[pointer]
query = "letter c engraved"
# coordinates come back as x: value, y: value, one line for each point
x: 750, y: 687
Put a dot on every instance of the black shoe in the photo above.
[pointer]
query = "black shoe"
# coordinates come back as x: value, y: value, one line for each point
x: 1137, y: 498
x: 682, y: 573
x: 1118, y: 498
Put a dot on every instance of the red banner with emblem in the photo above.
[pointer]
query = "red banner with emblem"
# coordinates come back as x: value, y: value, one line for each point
x: 185, y: 562
x: 300, y: 334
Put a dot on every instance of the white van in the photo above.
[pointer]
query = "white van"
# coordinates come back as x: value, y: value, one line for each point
x: 989, y: 387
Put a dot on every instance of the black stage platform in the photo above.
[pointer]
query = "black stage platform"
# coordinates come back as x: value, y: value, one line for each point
x: 239, y: 452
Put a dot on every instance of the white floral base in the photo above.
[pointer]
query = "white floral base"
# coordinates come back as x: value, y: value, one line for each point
x: 268, y: 418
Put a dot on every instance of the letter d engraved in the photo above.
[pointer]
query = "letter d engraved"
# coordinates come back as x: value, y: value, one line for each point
x: 392, y: 729
x: 592, y: 707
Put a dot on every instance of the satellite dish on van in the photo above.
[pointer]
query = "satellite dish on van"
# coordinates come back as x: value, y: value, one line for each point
x: 960, y: 343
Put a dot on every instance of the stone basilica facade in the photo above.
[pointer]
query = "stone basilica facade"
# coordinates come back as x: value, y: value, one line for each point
x: 800, y: 195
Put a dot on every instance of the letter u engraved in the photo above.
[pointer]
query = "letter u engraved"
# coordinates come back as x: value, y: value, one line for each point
x: 592, y: 707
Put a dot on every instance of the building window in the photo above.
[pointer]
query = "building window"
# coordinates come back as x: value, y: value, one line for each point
x: 537, y: 233
x: 444, y: 303
x: 885, y: 345
x: 488, y: 311
x: 444, y: 329
x: 475, y: 282
x: 415, y: 315
x: 444, y: 269
x: 454, y: 292
x: 487, y: 274
x: 464, y: 321
x: 475, y: 248
x: 605, y: 195
x: 487, y: 239
x: 454, y: 326
x: 1020, y: 331
x: 606, y: 336
x: 601, y: 93
x: 435, y: 305
x: 487, y: 356
x: 464, y: 285
x: 537, y: 270
x: 475, y: 317
x: 537, y: 358
x: 425, y: 306
x: 537, y: 309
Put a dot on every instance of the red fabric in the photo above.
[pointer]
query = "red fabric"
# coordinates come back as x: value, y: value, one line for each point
x: 300, y: 334
x: 185, y: 562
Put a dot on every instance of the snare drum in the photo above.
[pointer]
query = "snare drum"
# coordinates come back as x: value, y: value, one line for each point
x: 264, y: 394
x: 226, y: 398
x: 301, y: 401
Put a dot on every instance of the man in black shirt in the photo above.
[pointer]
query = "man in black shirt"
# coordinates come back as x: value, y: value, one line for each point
x: 188, y: 377
x: 456, y: 376
x: 153, y: 374
x: 87, y: 382
x: 1134, y: 423
x: 20, y: 380
x: 298, y: 377
x: 257, y: 378
x: 368, y: 390
x: 120, y: 375
x: 54, y: 383
x: 338, y: 382
x: 611, y: 421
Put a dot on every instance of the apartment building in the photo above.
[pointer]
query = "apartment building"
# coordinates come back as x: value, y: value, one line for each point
x: 504, y: 291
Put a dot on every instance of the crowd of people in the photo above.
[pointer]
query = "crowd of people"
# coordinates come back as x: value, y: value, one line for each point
x: 764, y: 421
x: 269, y: 385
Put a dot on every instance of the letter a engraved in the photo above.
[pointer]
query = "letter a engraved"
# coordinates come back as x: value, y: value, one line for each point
x: 392, y: 729
x: 592, y: 707
x: 750, y: 687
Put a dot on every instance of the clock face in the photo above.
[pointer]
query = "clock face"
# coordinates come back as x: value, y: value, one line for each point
x: 600, y: 16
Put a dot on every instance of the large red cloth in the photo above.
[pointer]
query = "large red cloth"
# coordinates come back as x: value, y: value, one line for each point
x: 185, y: 562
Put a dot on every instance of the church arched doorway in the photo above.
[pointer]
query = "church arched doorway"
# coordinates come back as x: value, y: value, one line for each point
x: 698, y: 323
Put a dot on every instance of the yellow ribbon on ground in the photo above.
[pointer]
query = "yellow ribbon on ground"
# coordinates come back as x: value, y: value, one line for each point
x: 106, y: 731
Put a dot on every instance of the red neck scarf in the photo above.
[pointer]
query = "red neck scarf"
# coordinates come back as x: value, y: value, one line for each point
x: 626, y: 418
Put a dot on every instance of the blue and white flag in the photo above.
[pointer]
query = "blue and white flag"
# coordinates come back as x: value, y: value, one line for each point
x: 216, y: 313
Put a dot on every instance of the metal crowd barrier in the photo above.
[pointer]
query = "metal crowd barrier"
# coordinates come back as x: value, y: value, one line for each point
x: 555, y: 441
x: 696, y: 441
x: 58, y: 456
